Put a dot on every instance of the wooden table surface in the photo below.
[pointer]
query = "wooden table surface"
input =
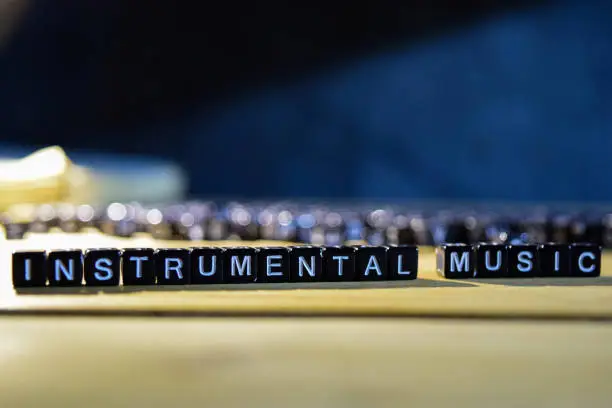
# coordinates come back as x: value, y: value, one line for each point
x: 429, y: 342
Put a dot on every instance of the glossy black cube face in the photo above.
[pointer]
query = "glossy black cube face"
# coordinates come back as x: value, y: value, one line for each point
x: 339, y: 263
x: 455, y: 261
x: 207, y: 265
x: 172, y: 266
x: 523, y: 261
x: 273, y: 265
x: 554, y: 260
x: 403, y: 262
x: 585, y: 260
x: 102, y: 267
x: 65, y: 268
x: 371, y: 263
x: 306, y: 264
x: 138, y: 266
x: 240, y: 265
x: 491, y: 261
x: 29, y: 269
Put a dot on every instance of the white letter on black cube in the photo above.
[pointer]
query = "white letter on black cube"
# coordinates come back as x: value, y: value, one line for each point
x: 339, y: 263
x: 455, y: 261
x: 585, y: 260
x: 523, y: 261
x: 29, y: 269
x: 102, y: 267
x: 240, y: 265
x: 273, y: 265
x: 554, y: 260
x: 207, y: 265
x: 138, y: 266
x: 403, y: 262
x: 491, y: 260
x: 306, y: 264
x: 65, y: 268
x: 371, y: 263
x: 172, y: 266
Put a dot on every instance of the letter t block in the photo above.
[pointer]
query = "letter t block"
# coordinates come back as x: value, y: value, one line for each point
x: 455, y: 261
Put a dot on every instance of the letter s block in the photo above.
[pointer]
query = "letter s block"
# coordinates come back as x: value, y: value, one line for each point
x: 455, y: 261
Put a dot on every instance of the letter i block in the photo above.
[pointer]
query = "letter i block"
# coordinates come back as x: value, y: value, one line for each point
x: 491, y: 261
x: 240, y: 265
x: 29, y: 269
x: 273, y: 265
x: 455, y: 261
x: 523, y: 261
x: 585, y: 260
x: 554, y: 260
x: 172, y: 266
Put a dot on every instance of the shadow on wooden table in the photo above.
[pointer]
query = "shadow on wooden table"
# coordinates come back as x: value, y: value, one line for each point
x: 574, y: 281
x: 92, y: 290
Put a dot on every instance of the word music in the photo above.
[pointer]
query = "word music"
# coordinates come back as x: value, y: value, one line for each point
x: 145, y: 266
x: 459, y: 261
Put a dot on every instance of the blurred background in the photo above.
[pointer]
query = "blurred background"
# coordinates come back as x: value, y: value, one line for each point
x: 436, y: 99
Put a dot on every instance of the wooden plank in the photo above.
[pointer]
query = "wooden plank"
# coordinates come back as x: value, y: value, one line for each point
x: 133, y: 362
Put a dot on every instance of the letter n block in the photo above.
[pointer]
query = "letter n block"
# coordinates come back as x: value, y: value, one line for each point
x: 455, y: 261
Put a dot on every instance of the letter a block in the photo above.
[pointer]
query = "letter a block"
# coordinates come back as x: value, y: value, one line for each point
x: 455, y: 261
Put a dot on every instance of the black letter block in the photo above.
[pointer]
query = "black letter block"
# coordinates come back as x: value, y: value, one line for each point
x: 207, y: 265
x: 585, y: 260
x: 65, y: 268
x: 491, y: 261
x: 138, y: 266
x: 102, y: 267
x: 455, y: 261
x: 240, y: 265
x: 306, y: 264
x: 172, y: 266
x: 371, y: 263
x: 29, y: 269
x: 273, y: 265
x: 339, y: 263
x: 523, y: 261
x: 403, y: 262
x: 554, y: 260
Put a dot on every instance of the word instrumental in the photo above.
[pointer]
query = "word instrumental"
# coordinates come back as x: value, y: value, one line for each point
x: 459, y: 261
x: 111, y: 267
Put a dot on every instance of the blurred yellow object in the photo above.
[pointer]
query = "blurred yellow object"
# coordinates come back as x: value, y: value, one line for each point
x: 46, y: 175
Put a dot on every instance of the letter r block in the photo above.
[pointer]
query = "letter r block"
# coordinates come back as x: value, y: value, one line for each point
x: 455, y: 261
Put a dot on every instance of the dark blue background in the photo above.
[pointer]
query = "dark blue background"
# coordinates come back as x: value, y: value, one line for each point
x: 512, y: 104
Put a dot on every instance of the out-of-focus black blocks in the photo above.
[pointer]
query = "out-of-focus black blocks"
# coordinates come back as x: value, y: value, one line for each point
x: 491, y: 260
x: 240, y: 265
x: 523, y: 261
x: 29, y: 269
x: 455, y: 261
x: 102, y: 267
x: 65, y: 268
x: 172, y: 266
x: 305, y: 264
x: 585, y: 260
x: 207, y: 265
x: 138, y: 266
x: 403, y: 262
x: 371, y: 263
x: 339, y: 263
x: 554, y: 260
x: 273, y: 265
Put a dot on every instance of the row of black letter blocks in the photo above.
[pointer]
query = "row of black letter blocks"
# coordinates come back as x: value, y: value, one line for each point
x: 106, y: 267
x: 459, y: 261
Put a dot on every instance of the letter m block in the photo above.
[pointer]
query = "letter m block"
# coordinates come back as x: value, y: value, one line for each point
x: 455, y: 261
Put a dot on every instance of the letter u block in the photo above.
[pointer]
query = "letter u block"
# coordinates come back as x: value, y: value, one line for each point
x: 491, y: 261
x: 455, y: 261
